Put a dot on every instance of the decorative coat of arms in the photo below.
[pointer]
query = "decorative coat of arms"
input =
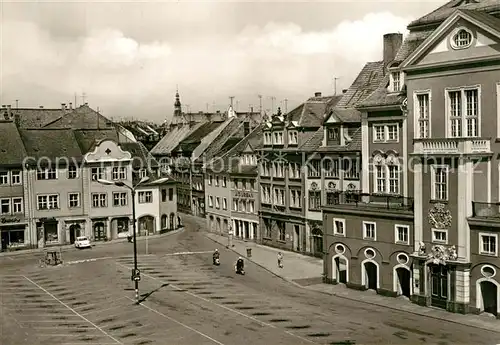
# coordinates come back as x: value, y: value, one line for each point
x: 332, y: 185
x: 439, y: 217
x: 439, y: 255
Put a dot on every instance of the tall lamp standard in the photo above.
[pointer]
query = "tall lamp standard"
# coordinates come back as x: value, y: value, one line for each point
x: 135, y: 272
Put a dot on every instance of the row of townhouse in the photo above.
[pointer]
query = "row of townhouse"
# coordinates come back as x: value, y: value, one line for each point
x: 423, y: 218
x: 48, y: 189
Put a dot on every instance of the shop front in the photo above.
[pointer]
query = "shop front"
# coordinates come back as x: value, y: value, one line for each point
x: 14, y: 234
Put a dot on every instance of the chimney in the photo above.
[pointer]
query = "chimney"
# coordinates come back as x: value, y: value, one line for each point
x: 70, y: 105
x: 8, y: 106
x: 392, y: 43
x: 86, y: 103
x: 63, y: 106
x: 4, y: 106
x: 344, y: 91
x: 317, y: 94
x: 41, y: 107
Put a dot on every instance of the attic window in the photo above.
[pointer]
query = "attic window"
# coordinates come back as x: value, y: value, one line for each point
x: 461, y: 39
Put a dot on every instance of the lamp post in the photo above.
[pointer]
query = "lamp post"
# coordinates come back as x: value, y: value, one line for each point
x: 135, y: 272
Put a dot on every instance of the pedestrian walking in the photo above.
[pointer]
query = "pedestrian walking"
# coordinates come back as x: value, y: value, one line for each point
x: 280, y: 260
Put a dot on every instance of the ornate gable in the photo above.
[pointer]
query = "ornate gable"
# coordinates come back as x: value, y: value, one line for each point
x: 107, y: 151
x: 465, y: 35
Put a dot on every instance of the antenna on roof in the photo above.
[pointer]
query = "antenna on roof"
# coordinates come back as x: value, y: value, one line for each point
x: 84, y: 97
x: 286, y: 105
x: 17, y: 104
x: 272, y: 104
x: 231, y: 99
x: 237, y: 105
x: 335, y: 85
x: 260, y: 103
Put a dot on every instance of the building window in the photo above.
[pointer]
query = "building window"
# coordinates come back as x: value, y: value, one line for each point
x: 5, y: 206
x: 4, y: 177
x: 16, y: 177
x: 99, y: 200
x: 145, y: 197
x: 243, y: 206
x: 331, y: 167
x: 440, y: 236
x: 235, y: 205
x: 278, y: 169
x: 224, y: 204
x: 422, y: 113
x: 170, y: 194
x: 314, y: 168
x: 217, y: 181
x: 294, y: 170
x: 281, y: 231
x: 279, y: 196
x: 74, y: 200
x: 163, y: 195
x: 143, y: 173
x: 266, y: 194
x: 350, y: 168
x: 293, y: 138
x: 439, y: 183
x: 119, y: 173
x: 265, y: 169
x: 97, y: 174
x: 210, y: 201
x: 17, y: 205
x: 386, y: 133
x: 314, y: 200
x: 267, y: 138
x: 278, y: 138
x: 210, y: 177
x: 402, y: 234
x: 488, y: 244
x: 393, y: 176
x: 396, y: 81
x: 463, y: 112
x: 251, y: 206
x: 46, y: 174
x: 369, y: 231
x: 217, y: 202
x: 333, y: 133
x: 462, y: 39
x: 119, y: 199
x: 295, y: 198
x: 72, y: 172
x: 224, y: 181
x: 48, y: 202
x: 380, y: 176
x: 339, y: 227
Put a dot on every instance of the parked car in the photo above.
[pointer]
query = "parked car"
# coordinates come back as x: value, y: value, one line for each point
x: 82, y: 242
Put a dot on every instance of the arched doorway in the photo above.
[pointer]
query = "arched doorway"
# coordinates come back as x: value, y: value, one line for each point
x: 489, y: 294
x: 172, y: 221
x: 74, y: 232
x: 226, y: 226
x: 370, y: 275
x: 211, y: 225
x: 340, y: 269
x: 164, y: 221
x: 99, y: 231
x: 147, y: 225
x: 403, y: 281
x: 317, y: 245
x: 179, y: 221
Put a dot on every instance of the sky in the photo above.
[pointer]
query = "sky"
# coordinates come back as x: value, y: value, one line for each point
x: 127, y: 58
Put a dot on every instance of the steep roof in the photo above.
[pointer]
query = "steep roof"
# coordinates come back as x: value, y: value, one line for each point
x: 214, y: 140
x: 483, y: 17
x: 345, y: 115
x: 170, y: 140
x: 194, y: 138
x: 12, y: 150
x: 411, y: 42
x: 52, y: 144
x: 37, y: 117
x: 441, y: 13
x: 82, y: 117
x: 141, y: 157
x: 315, y: 142
x: 88, y: 138
x: 382, y: 97
x: 365, y: 83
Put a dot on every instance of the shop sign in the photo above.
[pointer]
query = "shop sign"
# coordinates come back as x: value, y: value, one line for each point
x: 244, y: 195
x: 10, y: 220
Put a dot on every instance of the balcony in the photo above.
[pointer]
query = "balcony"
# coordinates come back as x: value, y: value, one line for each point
x: 365, y: 200
x: 452, y: 146
x: 486, y: 210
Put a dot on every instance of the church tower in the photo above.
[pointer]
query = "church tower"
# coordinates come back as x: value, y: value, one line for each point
x: 177, y: 104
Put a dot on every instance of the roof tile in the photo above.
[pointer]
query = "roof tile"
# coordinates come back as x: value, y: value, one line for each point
x: 12, y: 150
x: 52, y: 144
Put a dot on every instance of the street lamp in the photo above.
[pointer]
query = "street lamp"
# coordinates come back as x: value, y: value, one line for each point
x: 135, y: 272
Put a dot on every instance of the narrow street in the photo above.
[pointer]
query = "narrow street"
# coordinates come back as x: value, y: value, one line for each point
x: 186, y: 300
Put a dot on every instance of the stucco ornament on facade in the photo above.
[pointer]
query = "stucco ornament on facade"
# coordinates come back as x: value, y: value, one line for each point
x: 439, y: 217
x: 439, y: 255
x: 404, y: 107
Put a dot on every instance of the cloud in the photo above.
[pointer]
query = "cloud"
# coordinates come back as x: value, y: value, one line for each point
x: 127, y: 77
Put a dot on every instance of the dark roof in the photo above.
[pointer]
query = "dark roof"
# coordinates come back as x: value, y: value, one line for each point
x: 82, y: 117
x: 314, y: 141
x: 345, y: 115
x: 88, y: 138
x: 382, y: 97
x: 52, y: 144
x: 37, y: 117
x: 218, y: 142
x: 485, y: 18
x: 12, y: 151
x: 353, y: 145
x: 365, y: 83
x: 193, y: 139
x: 437, y: 16
x: 170, y: 140
x: 411, y: 42
x: 140, y: 155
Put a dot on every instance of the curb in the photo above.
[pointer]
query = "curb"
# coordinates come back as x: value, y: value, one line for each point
x: 496, y: 330
x: 64, y: 247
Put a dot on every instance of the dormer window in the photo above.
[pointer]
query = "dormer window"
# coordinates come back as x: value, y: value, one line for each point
x: 278, y: 138
x: 293, y: 138
x: 333, y: 133
x: 268, y: 138
x: 396, y: 81
x: 461, y: 39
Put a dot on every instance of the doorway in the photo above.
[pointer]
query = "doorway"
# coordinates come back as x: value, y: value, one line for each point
x: 340, y: 267
x: 489, y: 293
x: 296, y: 238
x: 74, y: 232
x: 439, y: 285
x: 247, y: 230
x: 317, y: 242
x: 371, y: 276
x: 99, y: 231
x: 172, y: 219
x: 403, y: 281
